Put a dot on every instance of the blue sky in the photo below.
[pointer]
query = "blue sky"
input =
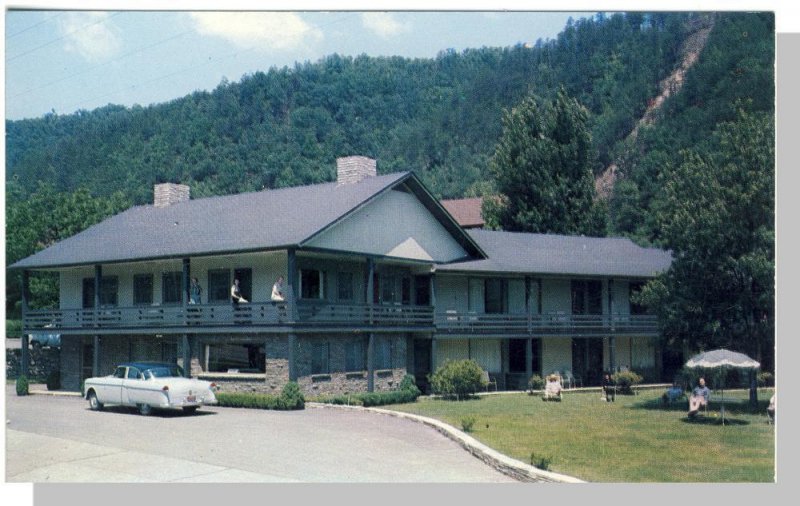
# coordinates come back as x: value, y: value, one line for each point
x: 67, y: 60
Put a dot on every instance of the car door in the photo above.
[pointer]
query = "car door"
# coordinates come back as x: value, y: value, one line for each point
x: 132, y: 387
x: 109, y: 388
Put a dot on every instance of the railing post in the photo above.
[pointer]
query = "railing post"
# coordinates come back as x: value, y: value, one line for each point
x: 369, y: 296
x: 292, y: 344
x: 371, y: 363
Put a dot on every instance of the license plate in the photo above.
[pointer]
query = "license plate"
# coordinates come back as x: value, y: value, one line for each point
x: 191, y: 398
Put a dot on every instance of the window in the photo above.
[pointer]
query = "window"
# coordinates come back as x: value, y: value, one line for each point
x: 587, y: 297
x: 109, y: 286
x: 143, y: 289
x: 346, y: 286
x: 311, y: 284
x: 495, y: 296
x: 388, y: 288
x: 245, y: 277
x: 119, y: 372
x: 422, y: 290
x: 634, y: 289
x: 171, y: 287
x: 236, y: 357
x: 354, y: 356
x: 383, y: 353
x: 219, y: 284
x: 320, y: 357
x: 133, y: 373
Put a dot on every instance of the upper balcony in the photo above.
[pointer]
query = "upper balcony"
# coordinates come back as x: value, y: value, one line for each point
x: 319, y: 316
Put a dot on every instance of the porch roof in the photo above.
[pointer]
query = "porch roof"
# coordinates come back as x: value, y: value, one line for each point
x: 255, y: 221
x: 525, y: 253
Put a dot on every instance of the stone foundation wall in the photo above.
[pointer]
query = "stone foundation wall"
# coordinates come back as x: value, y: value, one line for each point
x: 42, y: 362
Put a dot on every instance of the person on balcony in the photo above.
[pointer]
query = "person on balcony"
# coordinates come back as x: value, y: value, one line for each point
x: 236, y: 293
x: 195, y: 292
x: 699, y: 397
x: 277, y: 290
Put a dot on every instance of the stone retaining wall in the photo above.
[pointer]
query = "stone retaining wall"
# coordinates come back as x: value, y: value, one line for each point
x: 42, y: 362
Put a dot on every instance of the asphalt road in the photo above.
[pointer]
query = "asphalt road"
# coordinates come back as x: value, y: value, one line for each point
x: 58, y: 439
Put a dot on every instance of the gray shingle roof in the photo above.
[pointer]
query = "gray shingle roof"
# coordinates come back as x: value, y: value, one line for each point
x: 262, y: 220
x: 548, y: 254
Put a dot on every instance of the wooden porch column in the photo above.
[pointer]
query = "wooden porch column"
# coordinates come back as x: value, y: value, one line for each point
x: 433, y: 354
x: 186, y: 353
x: 371, y: 363
x: 292, y: 360
x: 291, y: 282
x: 98, y: 276
x: 24, y: 354
x: 528, y: 358
x: 612, y: 359
x: 370, y: 301
x: 528, y: 307
x: 185, y: 273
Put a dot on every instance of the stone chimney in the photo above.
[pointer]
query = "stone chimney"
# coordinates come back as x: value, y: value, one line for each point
x: 166, y: 194
x: 352, y: 169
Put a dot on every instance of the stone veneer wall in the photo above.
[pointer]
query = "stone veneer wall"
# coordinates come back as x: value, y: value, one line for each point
x: 41, y: 362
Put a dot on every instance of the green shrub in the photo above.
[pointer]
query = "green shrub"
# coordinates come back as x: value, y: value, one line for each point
x: 22, y: 385
x: 765, y: 379
x: 625, y: 381
x: 410, y: 384
x: 291, y: 396
x: 13, y: 328
x: 256, y: 401
x: 540, y: 462
x: 457, y: 378
x: 54, y: 380
x: 536, y: 382
x: 467, y: 423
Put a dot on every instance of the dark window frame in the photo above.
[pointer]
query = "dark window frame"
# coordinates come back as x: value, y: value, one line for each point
x: 143, y: 295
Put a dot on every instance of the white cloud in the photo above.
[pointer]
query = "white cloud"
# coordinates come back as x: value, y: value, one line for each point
x: 276, y: 30
x: 89, y: 34
x: 383, y: 24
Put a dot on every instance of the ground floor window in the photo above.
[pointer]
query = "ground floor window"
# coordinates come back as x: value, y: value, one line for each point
x: 320, y: 357
x: 236, y: 357
x: 354, y: 356
x: 383, y: 353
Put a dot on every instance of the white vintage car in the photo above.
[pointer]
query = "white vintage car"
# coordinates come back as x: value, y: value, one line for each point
x: 148, y: 385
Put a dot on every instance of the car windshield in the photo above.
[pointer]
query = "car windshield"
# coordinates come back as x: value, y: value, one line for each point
x: 163, y: 372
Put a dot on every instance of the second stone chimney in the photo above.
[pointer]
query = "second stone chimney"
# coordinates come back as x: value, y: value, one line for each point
x: 352, y: 169
x: 166, y: 194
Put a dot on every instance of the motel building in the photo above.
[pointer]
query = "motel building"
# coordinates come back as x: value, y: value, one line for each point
x: 380, y: 281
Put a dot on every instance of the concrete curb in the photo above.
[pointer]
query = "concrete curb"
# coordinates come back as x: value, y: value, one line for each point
x: 502, y: 463
x: 54, y: 393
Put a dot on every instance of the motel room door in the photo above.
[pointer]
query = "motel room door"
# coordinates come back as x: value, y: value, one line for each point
x: 587, y: 359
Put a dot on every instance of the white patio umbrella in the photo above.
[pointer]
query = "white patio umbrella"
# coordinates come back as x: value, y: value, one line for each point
x: 721, y: 359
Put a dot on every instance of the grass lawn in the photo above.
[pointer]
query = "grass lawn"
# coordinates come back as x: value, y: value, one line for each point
x: 634, y: 439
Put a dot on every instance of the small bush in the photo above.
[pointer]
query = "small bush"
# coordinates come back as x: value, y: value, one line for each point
x: 13, y: 328
x: 458, y: 379
x: 536, y: 382
x: 765, y: 379
x: 22, y: 385
x: 291, y: 397
x: 625, y: 381
x: 410, y: 384
x: 540, y: 462
x: 254, y: 401
x: 54, y: 380
x: 467, y: 423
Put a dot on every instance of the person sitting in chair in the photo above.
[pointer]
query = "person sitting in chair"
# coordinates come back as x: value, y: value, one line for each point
x: 552, y: 390
x: 699, y: 397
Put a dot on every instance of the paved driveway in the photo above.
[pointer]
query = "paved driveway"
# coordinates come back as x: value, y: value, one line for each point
x: 58, y: 439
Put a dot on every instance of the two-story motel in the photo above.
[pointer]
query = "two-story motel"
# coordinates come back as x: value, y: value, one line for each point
x: 380, y: 281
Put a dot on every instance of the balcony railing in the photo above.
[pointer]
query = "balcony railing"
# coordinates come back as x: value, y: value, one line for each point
x: 557, y: 323
x: 180, y: 318
x: 323, y: 314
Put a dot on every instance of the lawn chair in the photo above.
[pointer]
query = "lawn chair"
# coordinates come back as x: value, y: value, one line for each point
x: 571, y: 380
x: 552, y: 389
x: 488, y: 381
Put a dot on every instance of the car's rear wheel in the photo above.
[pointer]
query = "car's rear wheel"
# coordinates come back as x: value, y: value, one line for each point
x: 94, y: 404
x: 37, y: 345
x: 190, y: 410
x: 145, y: 409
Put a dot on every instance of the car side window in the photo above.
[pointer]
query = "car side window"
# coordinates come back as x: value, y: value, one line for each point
x: 134, y: 373
x: 120, y: 372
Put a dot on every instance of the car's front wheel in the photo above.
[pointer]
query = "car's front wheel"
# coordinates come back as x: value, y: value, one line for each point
x: 190, y: 410
x: 145, y: 409
x: 94, y: 404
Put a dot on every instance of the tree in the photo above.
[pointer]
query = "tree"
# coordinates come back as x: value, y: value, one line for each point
x: 717, y: 217
x: 542, y: 170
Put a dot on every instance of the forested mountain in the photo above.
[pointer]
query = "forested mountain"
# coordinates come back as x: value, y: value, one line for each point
x: 440, y: 117
x: 697, y: 178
